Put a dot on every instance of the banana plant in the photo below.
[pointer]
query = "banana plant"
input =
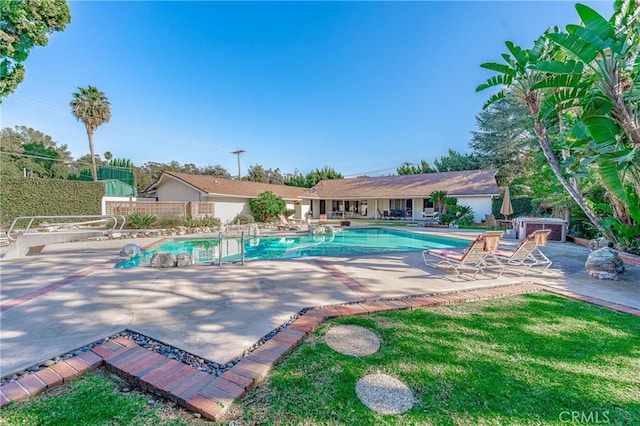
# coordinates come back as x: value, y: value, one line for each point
x: 520, y: 77
x: 601, y: 78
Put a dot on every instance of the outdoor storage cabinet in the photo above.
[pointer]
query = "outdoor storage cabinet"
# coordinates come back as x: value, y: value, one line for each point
x: 526, y: 225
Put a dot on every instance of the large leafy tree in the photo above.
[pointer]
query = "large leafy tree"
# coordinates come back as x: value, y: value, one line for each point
x: 505, y: 140
x: 313, y: 177
x: 412, y: 169
x: 23, y: 25
x: 28, y: 150
x: 586, y: 79
x: 92, y: 107
x: 257, y: 173
x: 455, y: 161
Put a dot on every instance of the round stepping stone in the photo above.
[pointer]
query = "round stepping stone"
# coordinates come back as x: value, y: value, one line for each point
x: 384, y: 394
x: 352, y: 340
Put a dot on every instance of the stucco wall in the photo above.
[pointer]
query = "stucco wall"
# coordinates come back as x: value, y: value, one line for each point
x: 480, y: 205
x: 229, y: 207
x: 171, y: 190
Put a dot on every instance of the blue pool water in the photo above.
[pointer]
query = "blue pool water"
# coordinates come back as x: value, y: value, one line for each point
x: 347, y: 242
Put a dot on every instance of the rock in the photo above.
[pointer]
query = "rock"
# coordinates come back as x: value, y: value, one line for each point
x: 599, y: 243
x: 163, y: 259
x: 131, y: 250
x: 48, y: 363
x: 183, y: 259
x: 604, y: 264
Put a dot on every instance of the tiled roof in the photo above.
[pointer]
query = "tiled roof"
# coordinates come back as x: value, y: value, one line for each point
x: 220, y: 186
x: 471, y: 182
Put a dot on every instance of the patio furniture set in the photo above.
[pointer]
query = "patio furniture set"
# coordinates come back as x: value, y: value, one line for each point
x: 483, y: 254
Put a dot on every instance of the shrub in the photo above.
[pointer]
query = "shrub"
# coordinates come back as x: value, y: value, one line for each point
x: 289, y: 212
x: 202, y: 222
x: 243, y: 219
x: 464, y: 214
x: 267, y: 206
x: 141, y: 221
x: 167, y: 221
x: 445, y: 218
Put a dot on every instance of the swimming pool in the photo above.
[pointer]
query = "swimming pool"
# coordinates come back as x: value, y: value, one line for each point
x: 348, y: 242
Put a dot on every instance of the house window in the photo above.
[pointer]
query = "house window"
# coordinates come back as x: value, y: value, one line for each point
x: 427, y: 204
x: 334, y: 206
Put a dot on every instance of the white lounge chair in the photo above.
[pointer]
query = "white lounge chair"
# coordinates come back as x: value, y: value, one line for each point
x: 527, y: 255
x: 480, y: 255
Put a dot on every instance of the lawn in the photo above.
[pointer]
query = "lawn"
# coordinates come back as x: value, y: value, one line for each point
x: 96, y: 399
x: 526, y: 360
x: 533, y: 359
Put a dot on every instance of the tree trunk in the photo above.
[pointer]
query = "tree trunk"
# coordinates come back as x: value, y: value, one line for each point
x: 94, y: 171
x: 547, y: 149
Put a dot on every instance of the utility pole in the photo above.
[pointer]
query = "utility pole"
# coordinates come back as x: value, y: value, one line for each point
x: 238, y: 152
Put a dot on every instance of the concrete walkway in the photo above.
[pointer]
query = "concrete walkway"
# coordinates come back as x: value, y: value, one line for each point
x: 70, y: 296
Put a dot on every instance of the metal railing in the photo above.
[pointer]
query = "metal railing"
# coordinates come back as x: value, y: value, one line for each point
x: 111, y: 223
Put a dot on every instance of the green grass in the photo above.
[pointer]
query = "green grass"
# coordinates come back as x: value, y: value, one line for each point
x: 518, y: 361
x: 91, y: 400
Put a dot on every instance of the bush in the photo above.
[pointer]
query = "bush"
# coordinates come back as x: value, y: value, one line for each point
x: 464, y: 214
x: 141, y: 221
x: 289, y: 212
x: 521, y: 207
x: 243, y: 219
x: 267, y: 206
x: 167, y: 221
x: 206, y: 221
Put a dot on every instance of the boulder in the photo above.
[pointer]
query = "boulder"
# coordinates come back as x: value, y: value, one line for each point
x: 130, y: 250
x: 183, y: 259
x: 604, y: 264
x: 599, y: 243
x: 163, y: 259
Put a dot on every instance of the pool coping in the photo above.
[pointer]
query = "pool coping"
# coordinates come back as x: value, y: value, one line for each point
x: 211, y: 395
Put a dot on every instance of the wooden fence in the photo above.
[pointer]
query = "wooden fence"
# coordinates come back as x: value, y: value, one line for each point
x: 194, y: 209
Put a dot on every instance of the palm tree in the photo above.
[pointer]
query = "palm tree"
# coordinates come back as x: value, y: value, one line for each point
x: 92, y: 107
x: 437, y: 197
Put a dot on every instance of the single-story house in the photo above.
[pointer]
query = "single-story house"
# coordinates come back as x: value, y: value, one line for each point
x: 371, y: 197
x: 366, y: 197
x: 229, y: 197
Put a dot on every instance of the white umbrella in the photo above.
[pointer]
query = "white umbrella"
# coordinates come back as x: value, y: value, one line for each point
x: 506, y: 209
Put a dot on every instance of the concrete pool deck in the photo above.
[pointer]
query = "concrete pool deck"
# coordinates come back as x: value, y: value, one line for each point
x: 70, y: 296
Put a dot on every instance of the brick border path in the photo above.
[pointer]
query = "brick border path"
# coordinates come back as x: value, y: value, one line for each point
x: 211, y: 396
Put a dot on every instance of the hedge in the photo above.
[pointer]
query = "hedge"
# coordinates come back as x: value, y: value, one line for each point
x: 521, y: 207
x: 48, y: 197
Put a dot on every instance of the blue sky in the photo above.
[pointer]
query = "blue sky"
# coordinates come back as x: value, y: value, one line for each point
x: 358, y: 86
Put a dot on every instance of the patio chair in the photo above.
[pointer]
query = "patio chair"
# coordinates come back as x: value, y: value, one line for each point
x: 527, y: 254
x: 479, y: 256
x: 490, y: 220
x: 285, y: 225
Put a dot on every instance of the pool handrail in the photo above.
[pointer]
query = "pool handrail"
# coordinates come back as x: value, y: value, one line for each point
x: 116, y: 226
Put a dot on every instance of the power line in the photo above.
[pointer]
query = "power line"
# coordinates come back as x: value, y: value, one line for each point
x: 119, y: 123
x: 71, y: 162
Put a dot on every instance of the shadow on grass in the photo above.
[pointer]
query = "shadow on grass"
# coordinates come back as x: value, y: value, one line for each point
x: 533, y: 359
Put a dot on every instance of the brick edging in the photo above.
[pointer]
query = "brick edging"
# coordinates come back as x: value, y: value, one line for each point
x: 212, y: 395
